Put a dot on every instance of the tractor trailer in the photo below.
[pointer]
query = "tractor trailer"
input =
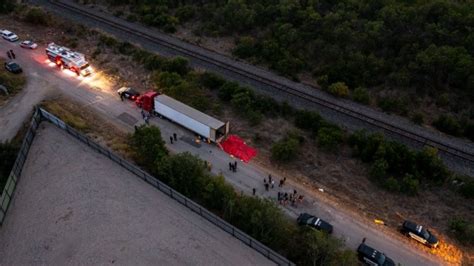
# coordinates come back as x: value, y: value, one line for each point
x: 200, y: 123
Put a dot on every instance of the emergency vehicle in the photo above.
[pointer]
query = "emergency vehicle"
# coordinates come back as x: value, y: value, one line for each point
x: 63, y: 57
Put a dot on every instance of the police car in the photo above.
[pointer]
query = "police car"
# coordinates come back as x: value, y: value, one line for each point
x: 314, y: 222
x: 419, y: 233
x: 373, y: 257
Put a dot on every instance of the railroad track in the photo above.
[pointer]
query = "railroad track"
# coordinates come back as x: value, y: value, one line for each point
x: 411, y: 136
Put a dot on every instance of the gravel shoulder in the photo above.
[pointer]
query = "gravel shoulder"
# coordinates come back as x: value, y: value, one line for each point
x: 75, y: 206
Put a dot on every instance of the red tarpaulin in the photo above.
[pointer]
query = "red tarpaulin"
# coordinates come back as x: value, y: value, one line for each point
x: 236, y: 146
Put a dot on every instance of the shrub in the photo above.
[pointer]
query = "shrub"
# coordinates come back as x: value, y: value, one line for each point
x: 177, y: 64
x: 227, y: 90
x: 13, y: 82
x: 126, y: 48
x: 361, y: 95
x: 308, y: 120
x: 448, y: 125
x: 132, y: 18
x: 463, y: 230
x: 211, y: 81
x: 469, y: 131
x: 417, y: 118
x: 378, y: 170
x: 185, y: 13
x: 338, y: 89
x: 329, y: 138
x: 317, y: 248
x: 148, y: 145
x: 108, y: 40
x: 6, y: 6
x: 391, y: 105
x: 467, y: 189
x: 391, y: 184
x: 37, y: 16
x: 245, y: 47
x: 410, y: 185
x: 285, y: 150
x: 167, y: 79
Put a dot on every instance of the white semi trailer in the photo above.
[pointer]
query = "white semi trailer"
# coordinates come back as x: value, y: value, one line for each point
x: 184, y: 115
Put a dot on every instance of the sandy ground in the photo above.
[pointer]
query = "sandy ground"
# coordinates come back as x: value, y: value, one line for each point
x: 74, y: 206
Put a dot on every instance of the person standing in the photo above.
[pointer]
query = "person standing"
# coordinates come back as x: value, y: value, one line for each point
x: 269, y: 178
x: 230, y: 166
x: 9, y: 55
x: 147, y: 119
x: 13, y: 54
x: 235, y: 165
x: 266, y: 186
x: 253, y: 191
x: 175, y: 137
x: 273, y: 183
x: 281, y: 183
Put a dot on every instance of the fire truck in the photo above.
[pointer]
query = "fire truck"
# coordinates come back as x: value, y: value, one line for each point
x: 63, y: 57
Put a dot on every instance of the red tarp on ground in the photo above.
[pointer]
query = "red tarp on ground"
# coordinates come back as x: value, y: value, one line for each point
x: 236, y: 146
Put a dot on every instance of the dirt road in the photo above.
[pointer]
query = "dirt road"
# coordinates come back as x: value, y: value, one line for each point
x: 98, y: 94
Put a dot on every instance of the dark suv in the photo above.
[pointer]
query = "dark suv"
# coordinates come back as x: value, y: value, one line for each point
x: 419, y: 233
x: 128, y: 93
x: 13, y: 67
x: 371, y: 256
x: 314, y: 222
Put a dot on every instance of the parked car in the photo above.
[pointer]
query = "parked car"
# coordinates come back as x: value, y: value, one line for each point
x: 314, y: 222
x: 9, y: 36
x: 371, y: 256
x: 28, y: 44
x: 13, y: 67
x: 419, y: 233
x: 128, y: 93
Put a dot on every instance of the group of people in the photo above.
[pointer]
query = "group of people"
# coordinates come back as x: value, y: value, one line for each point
x: 173, y: 138
x: 271, y: 182
x: 11, y: 54
x: 292, y: 198
x: 233, y: 166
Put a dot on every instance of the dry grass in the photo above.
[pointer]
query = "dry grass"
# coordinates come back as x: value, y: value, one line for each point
x: 90, y: 123
x: 13, y: 82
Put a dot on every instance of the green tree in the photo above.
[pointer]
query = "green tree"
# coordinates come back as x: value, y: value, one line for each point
x: 285, y: 150
x: 361, y: 95
x: 245, y: 47
x: 448, y: 124
x: 148, y: 145
x: 177, y: 64
x: 37, y: 16
x: 330, y: 137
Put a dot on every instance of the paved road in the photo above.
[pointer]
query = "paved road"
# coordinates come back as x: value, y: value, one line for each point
x: 100, y: 96
x: 453, y: 163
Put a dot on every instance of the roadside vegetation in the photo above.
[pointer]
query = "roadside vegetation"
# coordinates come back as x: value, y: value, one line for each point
x: 260, y: 218
x: 463, y: 230
x: 216, y: 96
x: 392, y: 165
x: 13, y: 83
x: 412, y: 58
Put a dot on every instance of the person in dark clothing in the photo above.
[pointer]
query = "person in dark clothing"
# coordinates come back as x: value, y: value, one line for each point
x: 281, y: 183
x: 266, y: 186
x: 13, y: 54
x: 230, y: 166
x: 175, y: 137
x: 9, y: 55
x: 171, y: 139
x: 269, y: 178
x: 235, y: 165
x: 253, y: 191
x: 121, y: 97
x: 284, y: 180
